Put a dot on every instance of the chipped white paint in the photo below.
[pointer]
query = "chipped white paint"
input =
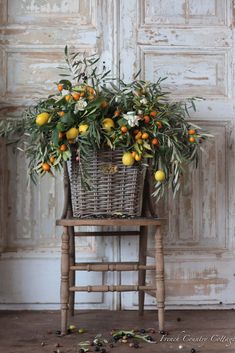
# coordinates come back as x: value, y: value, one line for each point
x: 3, y: 194
x: 188, y: 72
x: 33, y: 35
x: 191, y: 42
x: 184, y: 12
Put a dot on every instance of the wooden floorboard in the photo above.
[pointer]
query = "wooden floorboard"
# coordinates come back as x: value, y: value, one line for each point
x: 24, y: 331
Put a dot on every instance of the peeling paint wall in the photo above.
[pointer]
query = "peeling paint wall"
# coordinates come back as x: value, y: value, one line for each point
x: 189, y: 41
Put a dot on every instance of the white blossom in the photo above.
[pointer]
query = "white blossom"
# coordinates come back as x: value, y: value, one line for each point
x: 132, y: 118
x: 143, y: 101
x: 80, y: 105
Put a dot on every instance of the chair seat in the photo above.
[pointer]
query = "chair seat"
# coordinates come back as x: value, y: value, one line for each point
x: 130, y: 222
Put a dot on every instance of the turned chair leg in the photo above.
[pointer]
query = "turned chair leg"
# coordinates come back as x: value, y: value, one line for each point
x: 64, y: 289
x: 71, y: 273
x: 160, y: 284
x: 142, y: 261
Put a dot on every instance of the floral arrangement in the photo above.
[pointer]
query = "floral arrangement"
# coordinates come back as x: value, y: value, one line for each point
x: 91, y: 111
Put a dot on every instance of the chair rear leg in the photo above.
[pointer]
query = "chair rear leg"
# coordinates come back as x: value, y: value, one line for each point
x: 142, y: 261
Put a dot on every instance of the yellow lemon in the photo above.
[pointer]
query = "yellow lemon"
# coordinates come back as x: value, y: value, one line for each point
x: 127, y: 159
x: 72, y: 327
x: 160, y: 175
x: 42, y: 118
x: 72, y: 133
x: 83, y: 128
x: 108, y: 124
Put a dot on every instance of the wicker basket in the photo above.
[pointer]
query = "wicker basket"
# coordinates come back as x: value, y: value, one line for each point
x: 116, y: 190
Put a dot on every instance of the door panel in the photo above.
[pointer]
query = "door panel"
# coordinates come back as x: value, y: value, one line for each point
x: 33, y: 36
x: 190, y: 43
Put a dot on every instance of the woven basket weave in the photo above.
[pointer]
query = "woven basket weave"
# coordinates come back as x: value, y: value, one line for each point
x: 116, y: 190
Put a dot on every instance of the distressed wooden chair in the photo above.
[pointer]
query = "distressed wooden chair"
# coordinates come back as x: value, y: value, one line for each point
x: 69, y: 265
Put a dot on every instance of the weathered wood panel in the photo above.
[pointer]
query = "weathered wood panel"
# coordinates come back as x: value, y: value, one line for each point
x: 3, y: 194
x: 184, y: 12
x: 191, y: 43
x: 188, y: 72
x: 32, y: 38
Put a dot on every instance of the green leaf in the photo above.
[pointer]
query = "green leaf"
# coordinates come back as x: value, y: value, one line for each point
x: 67, y: 119
x: 55, y: 137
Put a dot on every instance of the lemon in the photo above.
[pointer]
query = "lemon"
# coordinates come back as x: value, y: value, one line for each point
x: 72, y: 133
x: 108, y: 124
x: 83, y: 128
x: 160, y: 175
x: 72, y: 327
x: 42, y: 118
x: 127, y: 159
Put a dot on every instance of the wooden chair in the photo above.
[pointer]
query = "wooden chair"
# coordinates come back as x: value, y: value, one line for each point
x: 69, y: 265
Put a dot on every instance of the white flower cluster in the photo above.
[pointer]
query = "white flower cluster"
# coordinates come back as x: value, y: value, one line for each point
x: 80, y: 105
x: 132, y: 118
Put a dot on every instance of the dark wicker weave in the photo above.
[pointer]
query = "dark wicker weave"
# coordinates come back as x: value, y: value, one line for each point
x: 115, y: 188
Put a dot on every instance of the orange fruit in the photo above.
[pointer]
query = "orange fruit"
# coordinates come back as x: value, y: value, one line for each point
x: 52, y: 159
x: 91, y: 90
x: 191, y: 139
x: 155, y: 141
x: 82, y: 94
x: 60, y: 113
x: 124, y: 129
x: 146, y: 119
x: 46, y: 167
x: 63, y: 148
x: 153, y: 113
x: 91, y: 97
x: 135, y: 132
x: 133, y: 153
x: 159, y: 124
x: 137, y: 158
x: 61, y: 135
x: 117, y: 113
x: 67, y: 97
x: 138, y: 135
x: 192, y: 132
x: 76, y: 96
x: 145, y: 136
x: 103, y: 104
x: 60, y: 87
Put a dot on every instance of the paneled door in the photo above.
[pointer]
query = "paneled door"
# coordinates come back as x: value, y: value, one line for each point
x: 191, y: 43
x: 33, y: 36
